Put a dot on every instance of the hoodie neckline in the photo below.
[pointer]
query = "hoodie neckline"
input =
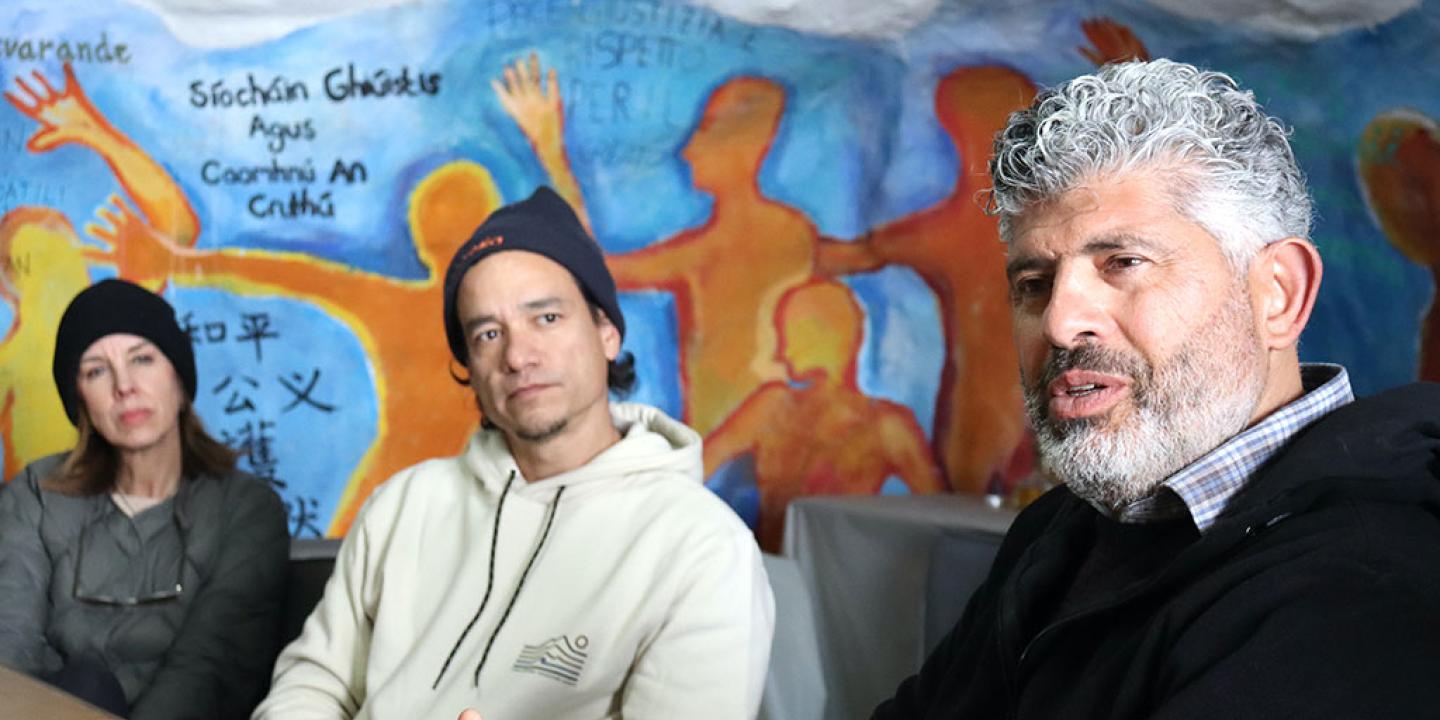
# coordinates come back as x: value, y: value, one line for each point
x: 651, y: 445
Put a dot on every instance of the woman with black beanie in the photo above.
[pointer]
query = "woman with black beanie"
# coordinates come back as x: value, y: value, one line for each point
x: 140, y: 571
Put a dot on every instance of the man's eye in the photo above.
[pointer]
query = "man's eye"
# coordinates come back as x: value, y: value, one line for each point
x: 1125, y: 262
x: 1029, y: 287
x: 487, y: 335
x: 549, y: 318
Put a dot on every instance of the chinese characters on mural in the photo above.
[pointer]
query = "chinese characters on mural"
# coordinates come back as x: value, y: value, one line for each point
x: 248, y: 429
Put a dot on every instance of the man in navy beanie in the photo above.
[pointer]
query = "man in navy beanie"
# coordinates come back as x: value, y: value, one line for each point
x: 569, y: 563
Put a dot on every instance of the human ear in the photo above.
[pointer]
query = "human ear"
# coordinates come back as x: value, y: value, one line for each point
x: 1285, y: 278
x: 609, y: 335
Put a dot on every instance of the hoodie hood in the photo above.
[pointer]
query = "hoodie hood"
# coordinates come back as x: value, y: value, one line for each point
x: 653, y: 447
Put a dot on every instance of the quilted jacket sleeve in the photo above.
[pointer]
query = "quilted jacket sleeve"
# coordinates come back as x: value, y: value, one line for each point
x: 24, y: 578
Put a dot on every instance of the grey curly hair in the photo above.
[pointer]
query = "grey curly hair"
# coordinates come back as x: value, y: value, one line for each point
x: 1230, y: 165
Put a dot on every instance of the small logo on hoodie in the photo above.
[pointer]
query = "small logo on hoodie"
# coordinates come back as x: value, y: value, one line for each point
x: 558, y: 658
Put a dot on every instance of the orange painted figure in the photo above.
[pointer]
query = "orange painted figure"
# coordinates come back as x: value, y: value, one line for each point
x: 44, y: 260
x: 1398, y: 163
x: 67, y: 116
x: 423, y: 413
x: 955, y: 248
x: 821, y: 436
x: 728, y: 274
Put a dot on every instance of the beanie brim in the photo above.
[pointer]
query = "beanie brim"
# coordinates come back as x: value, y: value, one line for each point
x: 107, y: 308
x: 543, y: 224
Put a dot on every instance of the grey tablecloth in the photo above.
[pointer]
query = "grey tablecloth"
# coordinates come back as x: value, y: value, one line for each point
x: 887, y: 575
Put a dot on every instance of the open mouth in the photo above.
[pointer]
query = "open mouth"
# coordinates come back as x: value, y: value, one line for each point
x: 1083, y: 393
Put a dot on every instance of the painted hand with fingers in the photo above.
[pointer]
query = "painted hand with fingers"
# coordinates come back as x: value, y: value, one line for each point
x: 139, y: 252
x: 65, y: 116
x: 1112, y: 41
x: 532, y: 101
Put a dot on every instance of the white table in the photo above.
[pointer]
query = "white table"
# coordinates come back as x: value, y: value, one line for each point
x: 888, y: 576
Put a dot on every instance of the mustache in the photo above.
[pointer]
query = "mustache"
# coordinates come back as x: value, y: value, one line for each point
x: 1087, y: 357
x: 1092, y: 358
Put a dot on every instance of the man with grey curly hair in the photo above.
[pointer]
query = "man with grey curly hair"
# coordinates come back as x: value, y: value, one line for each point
x: 1235, y: 535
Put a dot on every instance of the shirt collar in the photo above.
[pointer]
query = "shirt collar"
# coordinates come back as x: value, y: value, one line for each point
x: 1204, y: 487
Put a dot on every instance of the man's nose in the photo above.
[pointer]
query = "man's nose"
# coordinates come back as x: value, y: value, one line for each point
x: 1078, y: 311
x: 520, y: 349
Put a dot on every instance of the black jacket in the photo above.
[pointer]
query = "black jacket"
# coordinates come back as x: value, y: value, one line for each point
x: 1315, y: 595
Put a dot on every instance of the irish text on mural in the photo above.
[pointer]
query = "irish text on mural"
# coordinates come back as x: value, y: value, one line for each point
x: 339, y: 84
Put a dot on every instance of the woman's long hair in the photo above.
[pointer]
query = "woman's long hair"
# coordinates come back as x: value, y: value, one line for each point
x: 94, y: 464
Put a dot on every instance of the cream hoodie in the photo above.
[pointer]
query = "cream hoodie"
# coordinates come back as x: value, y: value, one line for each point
x: 623, y: 588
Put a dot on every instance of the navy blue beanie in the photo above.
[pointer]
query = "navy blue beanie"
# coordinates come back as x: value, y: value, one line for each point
x: 117, y: 306
x: 544, y: 224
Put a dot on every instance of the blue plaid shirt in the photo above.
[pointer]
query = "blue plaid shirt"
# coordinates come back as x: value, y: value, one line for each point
x: 1204, y: 487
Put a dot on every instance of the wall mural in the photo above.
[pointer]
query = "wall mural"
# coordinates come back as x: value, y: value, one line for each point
x: 795, y: 220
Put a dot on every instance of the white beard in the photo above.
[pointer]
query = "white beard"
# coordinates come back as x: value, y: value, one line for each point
x: 1179, y: 411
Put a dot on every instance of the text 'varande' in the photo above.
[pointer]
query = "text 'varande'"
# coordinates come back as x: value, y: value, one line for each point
x: 40, y: 49
x: 339, y: 84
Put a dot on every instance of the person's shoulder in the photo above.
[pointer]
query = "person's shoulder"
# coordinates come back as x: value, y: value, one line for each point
x: 1391, y: 529
x: 38, y: 470
x: 1410, y: 394
x: 689, y: 508
x: 1401, y: 406
x: 24, y: 502
x: 1380, y: 448
x: 25, y: 486
x: 239, y: 483
x: 437, y: 475
x: 246, y: 505
x: 418, y: 488
x: 236, y: 493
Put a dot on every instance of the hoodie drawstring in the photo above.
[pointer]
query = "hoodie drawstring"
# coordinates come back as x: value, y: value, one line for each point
x: 489, y: 580
x: 550, y: 518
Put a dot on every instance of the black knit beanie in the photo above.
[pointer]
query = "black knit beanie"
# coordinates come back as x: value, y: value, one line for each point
x: 117, y: 306
x: 542, y: 223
